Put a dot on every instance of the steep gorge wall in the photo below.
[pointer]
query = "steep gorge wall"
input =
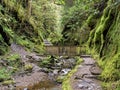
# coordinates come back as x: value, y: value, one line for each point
x: 15, y: 26
x: 104, y: 39
x: 28, y: 23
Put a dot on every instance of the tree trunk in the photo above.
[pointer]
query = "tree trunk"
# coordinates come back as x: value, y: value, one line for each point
x: 29, y: 8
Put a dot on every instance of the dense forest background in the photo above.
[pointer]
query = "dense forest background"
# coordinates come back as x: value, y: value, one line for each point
x: 94, y: 23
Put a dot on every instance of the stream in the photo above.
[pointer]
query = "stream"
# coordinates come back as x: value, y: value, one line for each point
x: 47, y: 72
x: 85, y: 78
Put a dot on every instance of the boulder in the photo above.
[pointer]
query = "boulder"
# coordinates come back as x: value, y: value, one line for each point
x: 95, y: 70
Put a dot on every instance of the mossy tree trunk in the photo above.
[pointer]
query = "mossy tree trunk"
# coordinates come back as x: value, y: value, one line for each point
x: 98, y: 34
x: 29, y: 8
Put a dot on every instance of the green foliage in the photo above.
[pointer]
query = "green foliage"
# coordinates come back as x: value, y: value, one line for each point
x: 9, y: 32
x: 44, y: 21
x: 111, y: 74
x: 111, y: 85
x: 46, y: 62
x: 4, y: 74
x: 99, y: 37
x: 3, y: 50
x: 13, y: 57
x: 104, y: 40
x: 118, y: 88
x: 8, y: 82
x: 76, y: 30
x: 16, y: 24
x: 59, y: 2
x: 60, y: 79
x: 3, y: 46
x: 14, y: 62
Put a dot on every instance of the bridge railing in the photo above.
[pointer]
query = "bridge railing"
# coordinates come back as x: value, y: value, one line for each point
x: 65, y: 50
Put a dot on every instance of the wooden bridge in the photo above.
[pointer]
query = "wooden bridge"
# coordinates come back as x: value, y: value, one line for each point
x: 65, y: 50
x: 50, y: 49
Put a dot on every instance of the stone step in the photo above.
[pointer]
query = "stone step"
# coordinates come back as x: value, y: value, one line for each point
x: 85, y: 56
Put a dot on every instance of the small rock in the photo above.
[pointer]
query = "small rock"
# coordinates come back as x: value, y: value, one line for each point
x: 67, y: 64
x: 98, y: 88
x: 80, y: 86
x: 86, y: 87
x: 11, y: 87
x: 46, y: 70
x: 88, y: 80
x: 95, y: 70
x: 64, y: 71
x: 93, y: 84
x: 80, y: 76
x: 55, y: 72
x: 36, y: 68
x: 59, y: 64
x: 89, y: 61
x: 91, y: 76
x: 90, y: 88
x: 25, y: 89
x: 80, y: 66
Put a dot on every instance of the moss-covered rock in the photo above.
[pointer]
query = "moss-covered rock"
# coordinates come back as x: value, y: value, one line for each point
x: 28, y: 67
x: 8, y: 82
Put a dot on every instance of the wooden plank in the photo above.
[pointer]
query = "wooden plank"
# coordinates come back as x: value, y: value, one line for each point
x: 64, y: 50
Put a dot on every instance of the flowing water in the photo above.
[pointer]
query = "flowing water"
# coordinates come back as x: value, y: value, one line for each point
x: 45, y: 85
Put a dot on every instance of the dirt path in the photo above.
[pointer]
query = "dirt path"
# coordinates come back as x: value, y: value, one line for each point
x: 86, y: 76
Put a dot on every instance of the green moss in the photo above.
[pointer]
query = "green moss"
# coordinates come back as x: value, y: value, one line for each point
x: 8, y: 82
x: 111, y: 85
x: 111, y: 68
x: 60, y: 79
x: 47, y: 62
x: 39, y: 49
x: 91, y: 21
x: 66, y: 85
x: 13, y: 5
x: 98, y: 36
x: 118, y: 88
x: 4, y: 74
x: 8, y: 31
x: 14, y: 62
x: 13, y: 57
x: 105, y: 47
x: 91, y: 35
x: 3, y: 46
x: 28, y: 67
x: 22, y: 42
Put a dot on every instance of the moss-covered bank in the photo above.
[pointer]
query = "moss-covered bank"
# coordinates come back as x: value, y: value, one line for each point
x: 104, y: 40
x: 66, y: 85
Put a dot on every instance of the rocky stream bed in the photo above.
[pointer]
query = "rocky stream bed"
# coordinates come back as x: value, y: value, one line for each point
x: 47, y: 72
